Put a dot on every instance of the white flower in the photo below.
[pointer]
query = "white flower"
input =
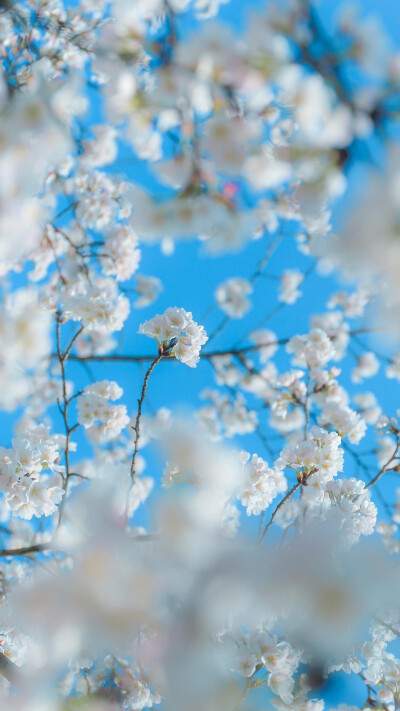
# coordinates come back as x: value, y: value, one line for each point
x: 264, y: 171
x: 148, y: 289
x: 368, y: 406
x: 346, y: 421
x: 367, y: 367
x: 291, y: 279
x: 232, y: 298
x: 32, y: 497
x: 315, y: 349
x: 269, y: 342
x: 321, y: 453
x: 353, y: 304
x: 94, y: 407
x: 98, y: 307
x: 140, y: 696
x: 282, y: 685
x: 102, y: 150
x: 353, y: 507
x: 337, y: 330
x: 138, y: 493
x: 122, y: 255
x: 245, y: 662
x: 261, y: 485
x: 178, y: 333
x: 233, y: 415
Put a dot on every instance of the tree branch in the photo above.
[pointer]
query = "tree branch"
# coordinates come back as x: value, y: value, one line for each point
x: 139, y: 413
x: 285, y: 498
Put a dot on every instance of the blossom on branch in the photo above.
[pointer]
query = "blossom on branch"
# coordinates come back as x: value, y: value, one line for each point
x: 176, y: 332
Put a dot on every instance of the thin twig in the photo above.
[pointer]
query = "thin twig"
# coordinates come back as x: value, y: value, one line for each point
x: 62, y: 357
x: 384, y: 468
x: 139, y: 413
x: 285, y: 498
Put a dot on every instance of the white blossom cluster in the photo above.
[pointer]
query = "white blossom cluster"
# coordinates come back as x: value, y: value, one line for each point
x: 232, y: 297
x: 321, y: 454
x: 291, y: 280
x: 262, y: 484
x: 25, y: 343
x: 99, y: 307
x: 224, y: 417
x: 278, y: 658
x: 28, y: 491
x: 344, y: 420
x: 102, y: 420
x: 178, y: 332
x: 353, y: 507
x: 313, y: 350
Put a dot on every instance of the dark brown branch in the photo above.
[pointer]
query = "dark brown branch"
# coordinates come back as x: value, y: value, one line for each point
x: 212, y: 354
x: 62, y: 357
x: 144, y: 358
x: 28, y: 550
x: 385, y: 466
x: 139, y: 413
x: 285, y: 498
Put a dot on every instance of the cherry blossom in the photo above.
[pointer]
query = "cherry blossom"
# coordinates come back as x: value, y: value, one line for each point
x: 232, y: 297
x: 291, y: 279
x: 262, y: 485
x: 102, y: 421
x: 176, y: 331
x: 250, y: 168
